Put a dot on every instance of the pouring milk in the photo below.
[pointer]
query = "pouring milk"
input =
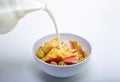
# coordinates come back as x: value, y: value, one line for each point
x: 13, y: 10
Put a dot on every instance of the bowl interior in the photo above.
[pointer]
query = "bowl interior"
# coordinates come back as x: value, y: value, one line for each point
x: 85, y: 44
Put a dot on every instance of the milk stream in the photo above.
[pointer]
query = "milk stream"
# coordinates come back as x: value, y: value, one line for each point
x: 49, y: 12
x: 10, y: 17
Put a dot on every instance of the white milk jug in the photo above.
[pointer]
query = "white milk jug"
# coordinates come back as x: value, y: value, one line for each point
x: 11, y: 11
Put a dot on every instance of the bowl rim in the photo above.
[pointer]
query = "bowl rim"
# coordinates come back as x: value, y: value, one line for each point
x: 62, y: 66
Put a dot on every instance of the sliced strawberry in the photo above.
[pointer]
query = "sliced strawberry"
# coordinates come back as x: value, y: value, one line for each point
x: 57, y: 60
x: 48, y: 49
x: 69, y: 44
x: 71, y: 60
x: 81, y: 52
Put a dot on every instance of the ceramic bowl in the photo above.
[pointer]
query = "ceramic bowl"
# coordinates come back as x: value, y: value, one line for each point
x: 62, y: 71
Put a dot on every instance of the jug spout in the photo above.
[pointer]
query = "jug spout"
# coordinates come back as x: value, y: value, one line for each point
x: 22, y: 12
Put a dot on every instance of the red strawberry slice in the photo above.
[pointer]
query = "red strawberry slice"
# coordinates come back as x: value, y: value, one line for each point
x: 48, y: 49
x: 81, y: 52
x: 71, y: 60
x: 57, y: 60
x: 69, y: 44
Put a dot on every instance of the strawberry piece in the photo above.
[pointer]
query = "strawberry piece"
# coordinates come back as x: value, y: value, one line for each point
x: 48, y: 49
x: 69, y: 44
x: 81, y: 52
x: 57, y: 60
x: 71, y: 60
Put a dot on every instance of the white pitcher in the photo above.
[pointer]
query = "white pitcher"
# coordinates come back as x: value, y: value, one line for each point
x: 11, y: 11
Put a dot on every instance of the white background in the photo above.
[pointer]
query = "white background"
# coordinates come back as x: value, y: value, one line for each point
x: 98, y: 21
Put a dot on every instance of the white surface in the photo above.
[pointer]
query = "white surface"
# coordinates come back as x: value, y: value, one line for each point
x: 96, y: 20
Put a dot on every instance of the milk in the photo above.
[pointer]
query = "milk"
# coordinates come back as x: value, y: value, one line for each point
x: 14, y: 10
x: 55, y: 25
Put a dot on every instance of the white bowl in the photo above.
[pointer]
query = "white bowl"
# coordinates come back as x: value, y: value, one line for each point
x: 62, y: 71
